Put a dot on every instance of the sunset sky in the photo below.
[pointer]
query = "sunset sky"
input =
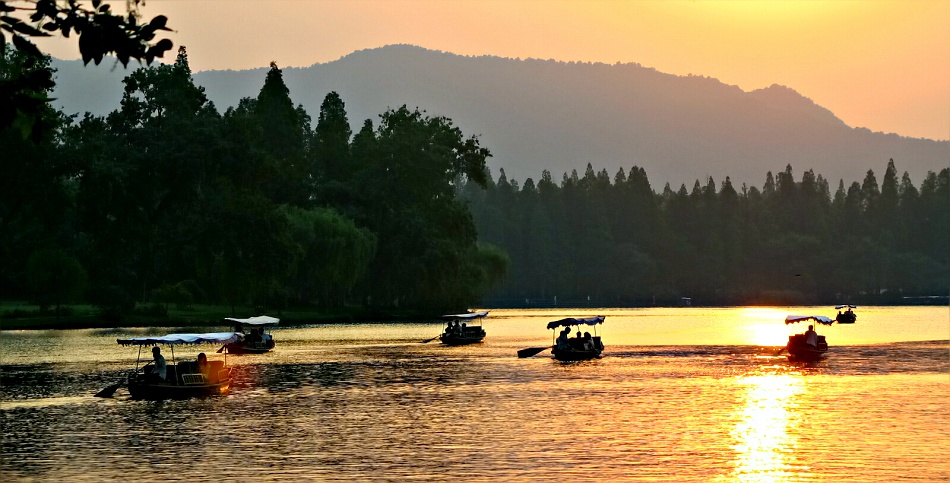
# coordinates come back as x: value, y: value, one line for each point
x: 883, y: 65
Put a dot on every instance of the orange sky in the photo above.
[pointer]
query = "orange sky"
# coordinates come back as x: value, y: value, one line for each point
x: 884, y: 65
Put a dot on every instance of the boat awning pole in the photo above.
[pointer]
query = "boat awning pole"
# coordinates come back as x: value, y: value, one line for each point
x: 175, y: 362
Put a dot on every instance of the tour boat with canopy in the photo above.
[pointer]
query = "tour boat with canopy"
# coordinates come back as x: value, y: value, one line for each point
x: 807, y: 346
x: 461, y: 329
x: 846, y: 317
x: 567, y: 348
x: 256, y: 339
x: 185, y: 378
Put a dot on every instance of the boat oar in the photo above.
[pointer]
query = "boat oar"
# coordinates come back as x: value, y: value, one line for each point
x: 110, y: 390
x: 530, y: 351
x: 781, y: 350
x: 432, y: 339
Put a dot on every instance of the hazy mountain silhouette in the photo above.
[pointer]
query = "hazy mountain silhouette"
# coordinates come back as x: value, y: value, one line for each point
x: 545, y: 114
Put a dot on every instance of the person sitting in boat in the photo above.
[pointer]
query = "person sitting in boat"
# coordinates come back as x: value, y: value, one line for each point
x: 562, y: 340
x: 160, y: 369
x: 588, y: 342
x: 203, y: 364
x: 811, y: 337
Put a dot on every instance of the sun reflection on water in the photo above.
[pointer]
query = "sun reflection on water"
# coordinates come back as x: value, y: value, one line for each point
x: 764, y: 435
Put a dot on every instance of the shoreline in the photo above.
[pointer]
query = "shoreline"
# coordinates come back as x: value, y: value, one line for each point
x: 205, y: 319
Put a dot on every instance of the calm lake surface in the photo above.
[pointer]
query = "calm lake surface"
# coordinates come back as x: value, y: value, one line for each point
x: 691, y: 394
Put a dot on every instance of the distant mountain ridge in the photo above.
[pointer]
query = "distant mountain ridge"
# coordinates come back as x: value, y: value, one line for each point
x: 544, y: 114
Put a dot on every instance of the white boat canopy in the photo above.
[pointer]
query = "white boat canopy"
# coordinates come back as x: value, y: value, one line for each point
x: 175, y: 339
x: 573, y: 321
x: 472, y: 315
x: 839, y: 307
x: 821, y: 319
x: 260, y: 320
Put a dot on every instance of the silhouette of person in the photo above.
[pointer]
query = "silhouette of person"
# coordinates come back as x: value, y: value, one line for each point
x: 160, y: 369
x: 811, y: 337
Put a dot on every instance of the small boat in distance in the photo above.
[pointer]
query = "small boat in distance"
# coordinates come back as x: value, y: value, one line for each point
x: 183, y: 379
x: 257, y: 339
x: 580, y: 347
x: 461, y: 329
x: 846, y: 317
x: 807, y: 346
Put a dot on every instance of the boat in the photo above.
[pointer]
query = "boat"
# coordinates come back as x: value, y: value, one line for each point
x: 846, y: 317
x: 578, y: 348
x: 183, y: 379
x: 256, y: 339
x: 799, y: 349
x: 461, y: 329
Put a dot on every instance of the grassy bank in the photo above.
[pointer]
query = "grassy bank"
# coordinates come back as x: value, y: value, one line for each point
x: 22, y: 316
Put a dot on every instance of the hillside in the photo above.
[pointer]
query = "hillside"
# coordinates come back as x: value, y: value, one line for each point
x: 541, y: 114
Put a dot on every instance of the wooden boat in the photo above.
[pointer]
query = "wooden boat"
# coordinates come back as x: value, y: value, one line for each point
x: 461, y: 329
x: 579, y: 348
x: 183, y: 379
x: 846, y: 317
x: 254, y: 336
x: 808, y: 346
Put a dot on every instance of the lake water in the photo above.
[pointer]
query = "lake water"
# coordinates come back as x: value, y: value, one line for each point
x: 689, y: 394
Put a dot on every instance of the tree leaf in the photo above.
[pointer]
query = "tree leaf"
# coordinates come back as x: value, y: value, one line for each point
x: 158, y: 23
x: 25, y: 45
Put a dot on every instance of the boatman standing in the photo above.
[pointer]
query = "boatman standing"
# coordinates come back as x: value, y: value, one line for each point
x: 811, y: 337
x: 160, y: 370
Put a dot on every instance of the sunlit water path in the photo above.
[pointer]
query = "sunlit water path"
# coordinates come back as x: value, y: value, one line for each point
x: 683, y: 395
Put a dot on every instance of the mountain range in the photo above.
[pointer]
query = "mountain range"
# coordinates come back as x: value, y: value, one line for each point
x: 536, y: 115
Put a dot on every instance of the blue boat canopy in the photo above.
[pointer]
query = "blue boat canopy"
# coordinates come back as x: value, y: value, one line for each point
x: 839, y: 307
x: 472, y: 315
x: 175, y: 339
x: 260, y: 320
x: 821, y: 319
x: 572, y: 321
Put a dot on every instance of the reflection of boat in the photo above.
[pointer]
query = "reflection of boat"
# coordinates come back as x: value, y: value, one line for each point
x: 461, y: 329
x: 255, y: 340
x: 183, y: 379
x: 808, y: 346
x: 578, y: 348
x: 846, y: 317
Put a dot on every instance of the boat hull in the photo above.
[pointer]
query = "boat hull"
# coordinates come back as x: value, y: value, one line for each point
x: 576, y: 355
x: 800, y: 351
x: 157, y: 391
x: 458, y: 340
x: 465, y: 336
x: 184, y: 381
x: 249, y: 348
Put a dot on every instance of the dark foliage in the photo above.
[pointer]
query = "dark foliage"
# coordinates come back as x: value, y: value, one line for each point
x: 165, y: 201
x: 100, y: 32
x: 593, y: 242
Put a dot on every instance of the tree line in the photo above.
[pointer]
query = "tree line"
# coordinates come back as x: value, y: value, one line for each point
x: 597, y: 240
x: 167, y: 200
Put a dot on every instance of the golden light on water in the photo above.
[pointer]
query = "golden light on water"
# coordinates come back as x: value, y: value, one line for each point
x: 765, y: 325
x: 764, y: 435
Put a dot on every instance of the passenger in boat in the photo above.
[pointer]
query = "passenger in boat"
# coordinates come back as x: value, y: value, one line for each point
x: 811, y: 337
x: 562, y: 340
x: 588, y: 342
x: 160, y: 369
x: 203, y: 364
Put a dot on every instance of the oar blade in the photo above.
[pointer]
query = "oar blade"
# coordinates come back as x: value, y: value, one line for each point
x: 523, y: 353
x: 432, y: 339
x: 110, y: 390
